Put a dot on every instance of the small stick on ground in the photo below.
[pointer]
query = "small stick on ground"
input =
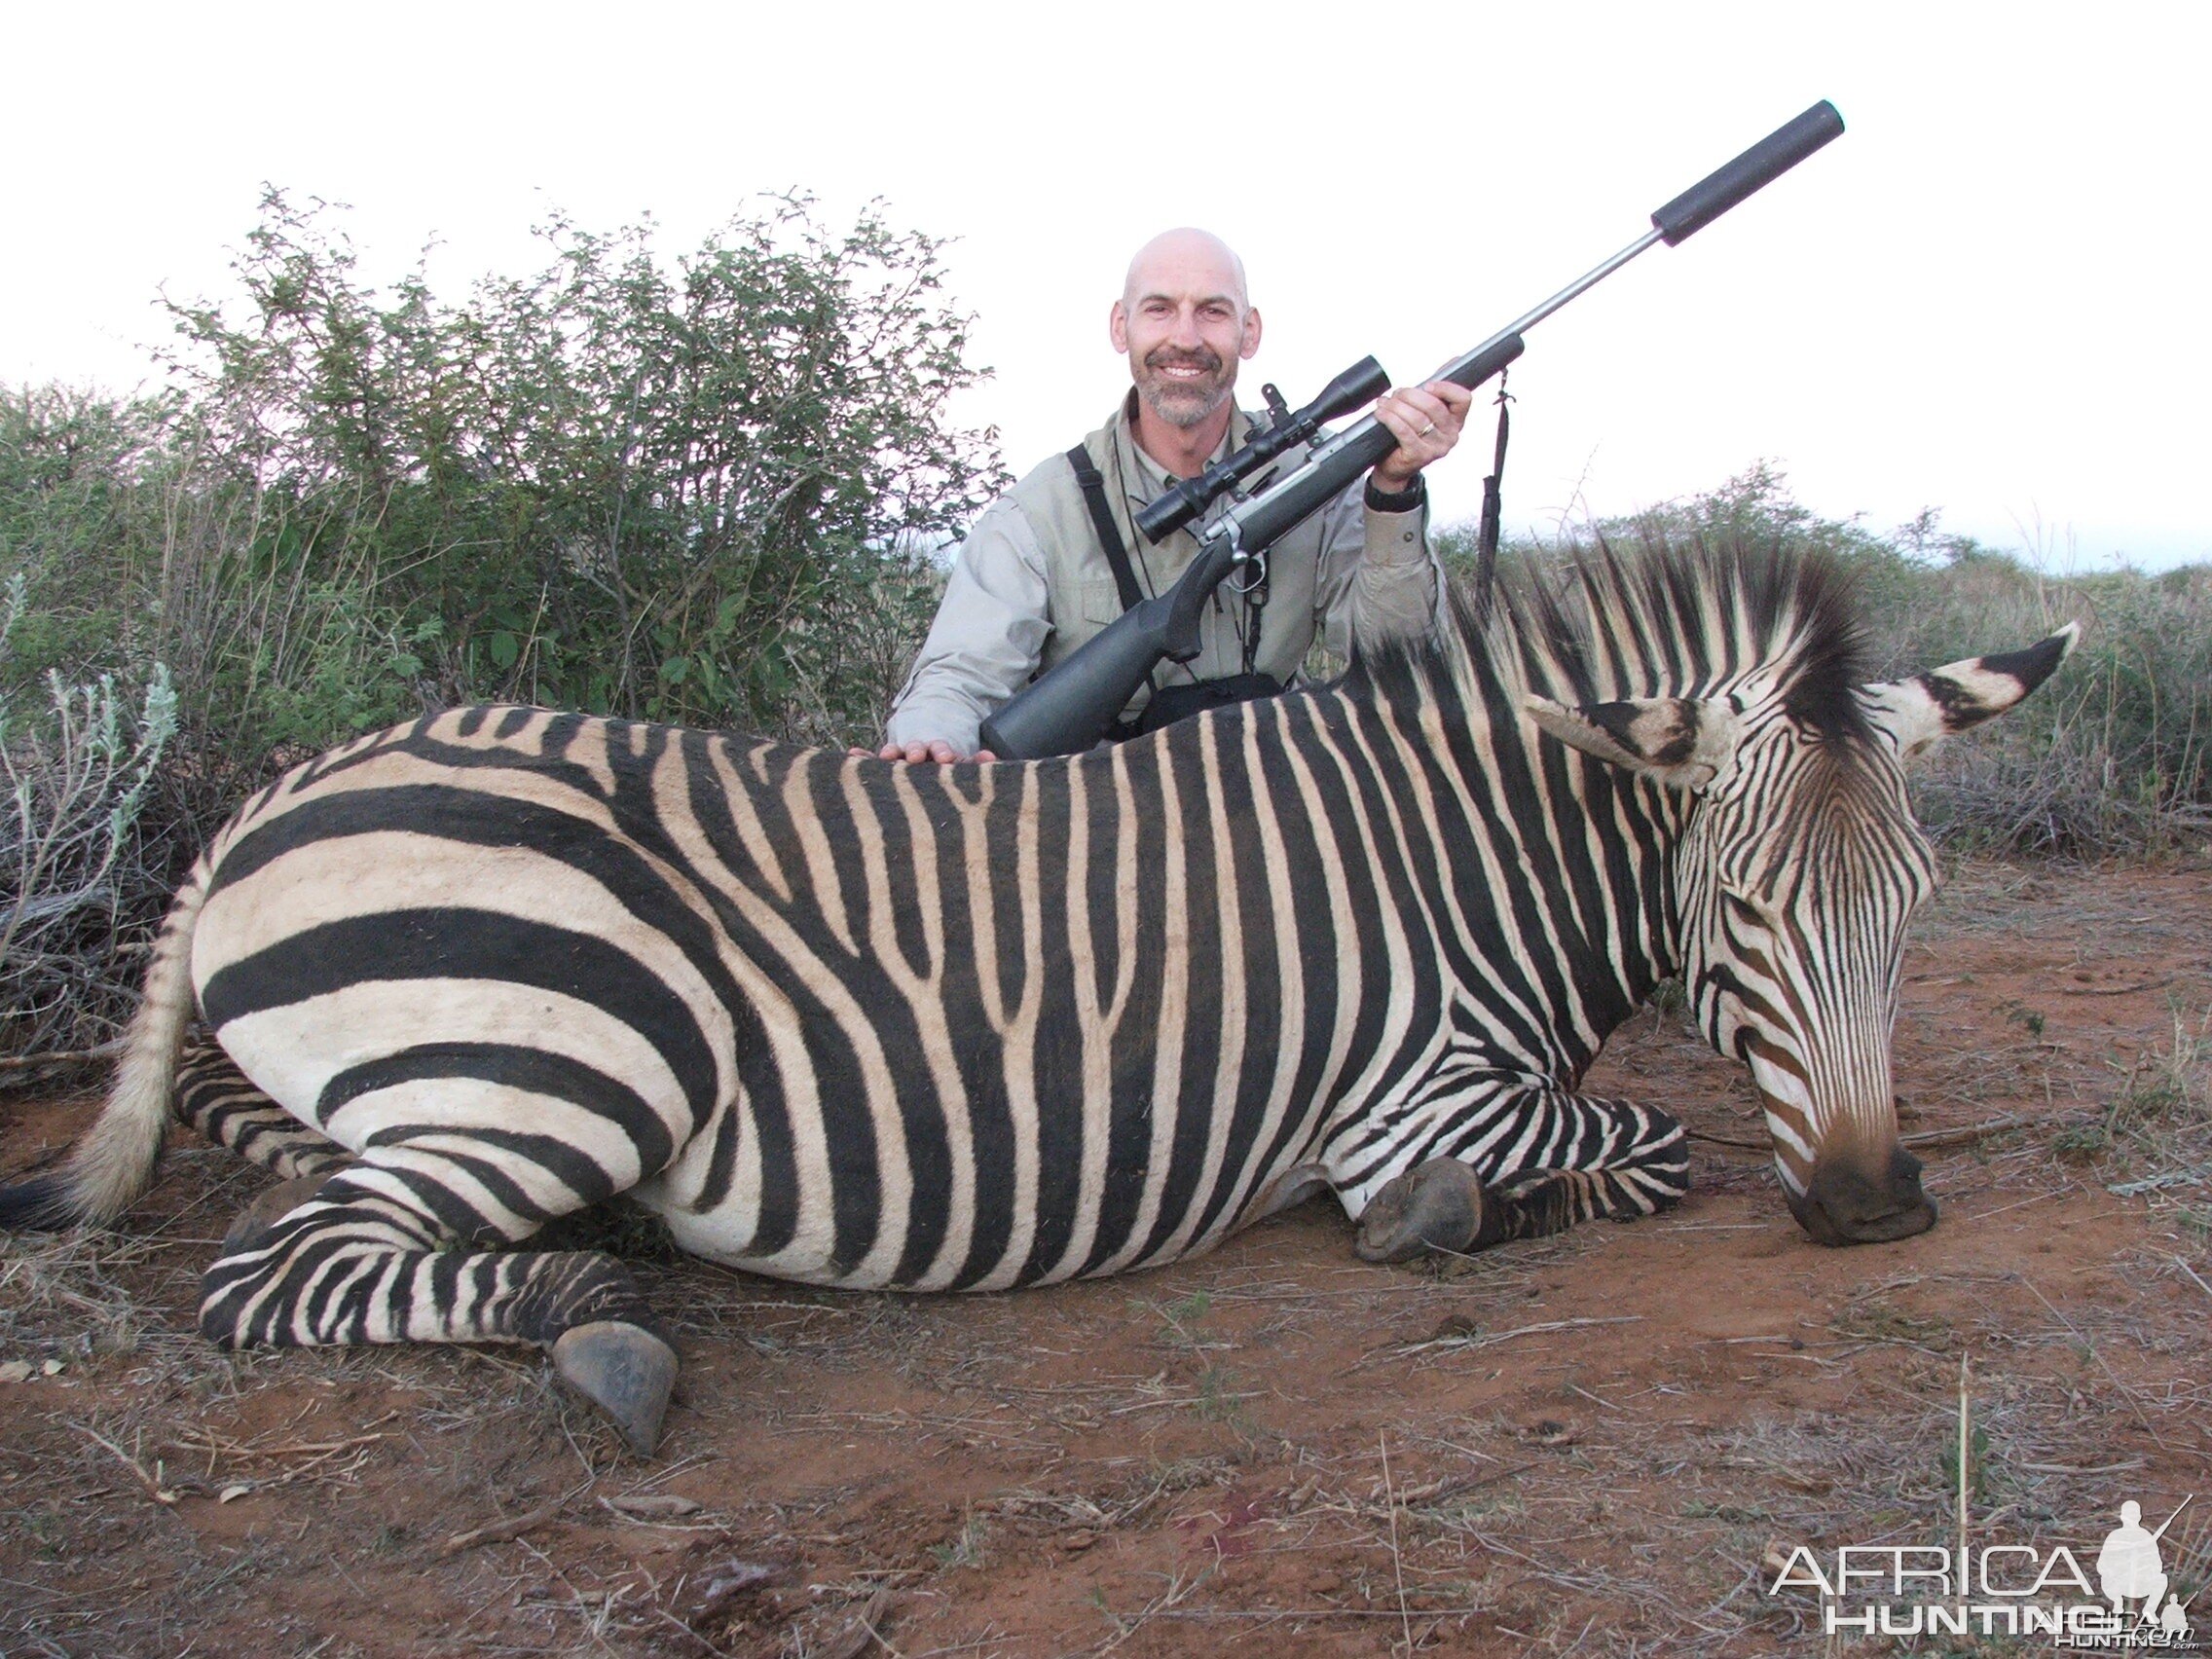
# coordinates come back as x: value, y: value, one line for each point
x: 1922, y: 1137
x: 1965, y: 1445
x: 2133, y: 1399
x: 1487, y: 1339
x: 154, y: 1488
x: 1397, y: 1562
x: 63, y: 1056
x: 500, y: 1531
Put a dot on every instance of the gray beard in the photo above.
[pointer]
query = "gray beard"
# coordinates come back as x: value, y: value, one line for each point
x: 1181, y: 407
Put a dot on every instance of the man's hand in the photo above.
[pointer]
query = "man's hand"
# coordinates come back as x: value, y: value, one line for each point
x: 917, y: 754
x: 1425, y: 420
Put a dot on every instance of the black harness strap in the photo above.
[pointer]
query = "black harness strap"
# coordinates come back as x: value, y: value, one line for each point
x: 1175, y: 702
x: 1094, y: 489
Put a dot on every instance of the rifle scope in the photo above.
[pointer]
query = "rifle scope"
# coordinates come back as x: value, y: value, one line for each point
x: 1358, y: 386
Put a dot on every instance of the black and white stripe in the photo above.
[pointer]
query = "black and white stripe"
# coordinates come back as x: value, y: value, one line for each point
x: 979, y: 1026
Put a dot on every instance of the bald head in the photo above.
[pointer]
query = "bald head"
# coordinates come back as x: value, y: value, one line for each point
x: 1186, y: 321
x: 1187, y: 260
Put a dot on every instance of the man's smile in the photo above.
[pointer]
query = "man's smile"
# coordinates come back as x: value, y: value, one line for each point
x: 1184, y: 368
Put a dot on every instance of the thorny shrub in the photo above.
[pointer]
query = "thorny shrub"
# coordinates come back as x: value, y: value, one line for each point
x: 76, y: 769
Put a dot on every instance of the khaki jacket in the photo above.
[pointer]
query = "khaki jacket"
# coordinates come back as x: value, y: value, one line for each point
x: 1031, y: 584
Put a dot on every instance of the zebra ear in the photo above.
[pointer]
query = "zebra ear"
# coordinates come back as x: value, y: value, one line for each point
x: 1920, y: 711
x: 1680, y: 742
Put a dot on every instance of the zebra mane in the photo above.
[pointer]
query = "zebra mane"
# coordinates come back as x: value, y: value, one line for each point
x: 1658, y: 619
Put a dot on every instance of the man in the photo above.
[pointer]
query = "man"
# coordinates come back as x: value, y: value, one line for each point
x: 1035, y: 578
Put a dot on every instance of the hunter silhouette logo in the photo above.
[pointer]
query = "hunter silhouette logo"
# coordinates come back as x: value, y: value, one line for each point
x: 2129, y: 1568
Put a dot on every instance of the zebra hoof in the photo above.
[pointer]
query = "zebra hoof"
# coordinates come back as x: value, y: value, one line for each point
x: 623, y: 1370
x: 264, y: 1212
x: 1437, y: 1205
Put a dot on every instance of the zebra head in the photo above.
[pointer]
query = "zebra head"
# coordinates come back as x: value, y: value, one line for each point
x: 1799, y: 866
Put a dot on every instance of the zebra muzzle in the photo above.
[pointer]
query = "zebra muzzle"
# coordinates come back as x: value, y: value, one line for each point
x: 1846, y: 1204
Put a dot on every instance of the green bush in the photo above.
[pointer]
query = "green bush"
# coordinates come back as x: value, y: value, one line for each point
x: 708, y: 490
x: 692, y: 494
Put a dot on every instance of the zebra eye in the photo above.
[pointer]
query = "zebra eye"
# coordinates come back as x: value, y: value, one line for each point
x: 1745, y: 908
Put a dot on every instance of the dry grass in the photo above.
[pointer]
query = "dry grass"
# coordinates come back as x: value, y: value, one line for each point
x: 1584, y: 1446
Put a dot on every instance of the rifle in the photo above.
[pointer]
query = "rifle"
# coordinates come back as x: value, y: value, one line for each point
x: 1069, y: 709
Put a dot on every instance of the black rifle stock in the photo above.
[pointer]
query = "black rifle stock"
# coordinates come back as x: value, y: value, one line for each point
x: 1071, y: 708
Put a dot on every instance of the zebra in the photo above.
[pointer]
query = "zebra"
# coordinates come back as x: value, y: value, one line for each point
x: 978, y: 1026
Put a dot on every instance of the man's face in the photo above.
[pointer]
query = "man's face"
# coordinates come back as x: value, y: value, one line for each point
x: 1184, y: 325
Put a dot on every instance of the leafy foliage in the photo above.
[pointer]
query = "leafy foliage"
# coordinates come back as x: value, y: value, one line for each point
x: 680, y: 494
x: 706, y: 489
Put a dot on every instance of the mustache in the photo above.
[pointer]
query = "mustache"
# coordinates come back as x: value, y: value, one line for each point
x: 1163, y: 357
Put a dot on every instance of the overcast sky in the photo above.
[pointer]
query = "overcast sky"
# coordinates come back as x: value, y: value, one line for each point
x: 1988, y: 296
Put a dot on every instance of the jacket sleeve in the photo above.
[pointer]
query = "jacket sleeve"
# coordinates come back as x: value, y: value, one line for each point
x: 988, y: 636
x: 1379, y: 577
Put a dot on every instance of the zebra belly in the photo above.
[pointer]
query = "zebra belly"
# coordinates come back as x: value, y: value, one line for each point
x: 1091, y: 1208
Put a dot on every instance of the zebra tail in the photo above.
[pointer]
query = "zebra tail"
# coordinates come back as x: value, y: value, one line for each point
x: 114, y: 1160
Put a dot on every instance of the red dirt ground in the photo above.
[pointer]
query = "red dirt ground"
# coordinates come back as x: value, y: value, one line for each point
x: 1588, y: 1444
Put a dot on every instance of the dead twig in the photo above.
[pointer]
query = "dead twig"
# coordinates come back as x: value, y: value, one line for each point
x: 154, y: 1488
x: 1397, y: 1561
x: 2134, y: 1400
x: 1920, y: 1137
x: 2192, y: 1273
x: 63, y: 1056
x: 1729, y: 1140
x: 500, y: 1531
x: 1975, y: 1132
x: 208, y: 1444
x: 1468, y: 1342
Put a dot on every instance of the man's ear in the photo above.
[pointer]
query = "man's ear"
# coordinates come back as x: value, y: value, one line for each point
x: 1919, y: 713
x: 1680, y: 742
x: 1117, y: 327
x: 1251, y: 345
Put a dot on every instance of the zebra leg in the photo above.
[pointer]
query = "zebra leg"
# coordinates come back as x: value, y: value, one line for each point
x: 215, y: 1098
x: 218, y: 1101
x: 1613, y: 1161
x: 365, y: 1259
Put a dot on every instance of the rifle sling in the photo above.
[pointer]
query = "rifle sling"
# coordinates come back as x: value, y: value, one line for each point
x: 1493, y: 508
